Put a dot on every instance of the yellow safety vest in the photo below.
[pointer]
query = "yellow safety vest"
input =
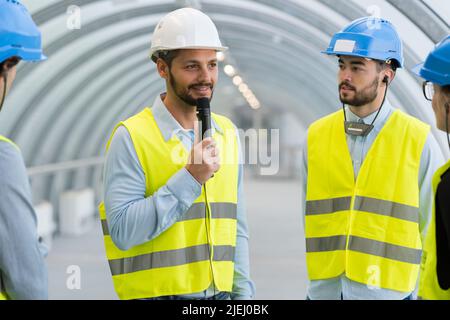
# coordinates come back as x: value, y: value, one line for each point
x: 429, y: 287
x: 3, y: 295
x: 179, y: 260
x: 367, y: 228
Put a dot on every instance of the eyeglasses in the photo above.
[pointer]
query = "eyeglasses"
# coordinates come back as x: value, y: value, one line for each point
x: 428, y: 90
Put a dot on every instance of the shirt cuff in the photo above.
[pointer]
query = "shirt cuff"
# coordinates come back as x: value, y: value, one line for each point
x: 184, y: 187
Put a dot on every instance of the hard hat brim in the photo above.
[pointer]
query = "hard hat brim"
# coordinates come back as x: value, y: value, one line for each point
x: 359, y: 55
x: 417, y: 69
x: 39, y: 59
x: 23, y: 54
x: 344, y: 53
x: 157, y: 49
x: 429, y: 75
x: 350, y: 54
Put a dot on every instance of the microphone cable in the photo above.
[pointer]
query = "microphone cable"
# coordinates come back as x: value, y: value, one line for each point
x: 208, y: 239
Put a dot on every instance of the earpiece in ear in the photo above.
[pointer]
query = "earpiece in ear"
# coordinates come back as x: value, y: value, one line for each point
x: 447, y: 108
x: 386, y: 79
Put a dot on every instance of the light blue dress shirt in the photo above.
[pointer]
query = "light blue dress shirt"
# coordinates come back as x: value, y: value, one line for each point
x: 22, y: 265
x: 431, y: 159
x: 134, y: 219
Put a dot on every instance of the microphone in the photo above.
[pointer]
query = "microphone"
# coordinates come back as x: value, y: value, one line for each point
x: 204, y: 116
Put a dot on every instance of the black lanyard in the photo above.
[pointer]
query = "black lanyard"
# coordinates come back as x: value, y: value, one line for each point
x: 361, y: 129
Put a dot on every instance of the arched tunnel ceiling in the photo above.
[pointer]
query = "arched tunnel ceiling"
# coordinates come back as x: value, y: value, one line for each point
x: 66, y: 107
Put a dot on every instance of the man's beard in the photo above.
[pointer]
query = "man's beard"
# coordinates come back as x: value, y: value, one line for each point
x: 362, y: 97
x: 183, y: 94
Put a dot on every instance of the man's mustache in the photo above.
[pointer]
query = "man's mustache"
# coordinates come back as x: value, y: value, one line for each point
x: 196, y: 85
x: 348, y: 85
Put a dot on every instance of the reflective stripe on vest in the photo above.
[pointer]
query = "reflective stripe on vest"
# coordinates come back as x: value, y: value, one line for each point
x: 197, y: 211
x: 172, y: 258
x: 429, y: 288
x: 376, y: 206
x: 367, y: 228
x: 364, y: 245
x: 179, y: 260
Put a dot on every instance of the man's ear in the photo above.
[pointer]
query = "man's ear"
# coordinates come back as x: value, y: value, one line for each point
x: 163, y: 68
x: 390, y: 75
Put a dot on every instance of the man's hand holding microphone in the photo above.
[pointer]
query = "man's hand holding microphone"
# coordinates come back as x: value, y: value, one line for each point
x: 204, y: 159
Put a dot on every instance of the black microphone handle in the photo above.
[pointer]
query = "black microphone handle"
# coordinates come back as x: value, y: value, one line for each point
x: 204, y: 116
x: 206, y: 124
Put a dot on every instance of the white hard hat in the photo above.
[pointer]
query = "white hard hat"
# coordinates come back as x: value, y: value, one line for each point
x: 185, y: 28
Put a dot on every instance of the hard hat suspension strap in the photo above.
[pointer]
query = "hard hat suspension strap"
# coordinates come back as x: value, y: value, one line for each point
x: 447, y: 111
x: 5, y: 83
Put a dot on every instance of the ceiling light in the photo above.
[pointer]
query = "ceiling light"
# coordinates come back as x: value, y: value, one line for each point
x: 229, y: 70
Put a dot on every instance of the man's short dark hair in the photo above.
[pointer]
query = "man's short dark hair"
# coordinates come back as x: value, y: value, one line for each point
x: 8, y: 64
x: 166, y: 56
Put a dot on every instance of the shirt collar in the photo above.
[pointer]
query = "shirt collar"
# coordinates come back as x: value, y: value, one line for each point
x: 384, y: 113
x: 168, y: 125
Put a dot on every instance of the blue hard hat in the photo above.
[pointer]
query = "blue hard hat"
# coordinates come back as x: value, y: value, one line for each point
x: 19, y: 35
x: 368, y: 37
x: 436, y: 67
